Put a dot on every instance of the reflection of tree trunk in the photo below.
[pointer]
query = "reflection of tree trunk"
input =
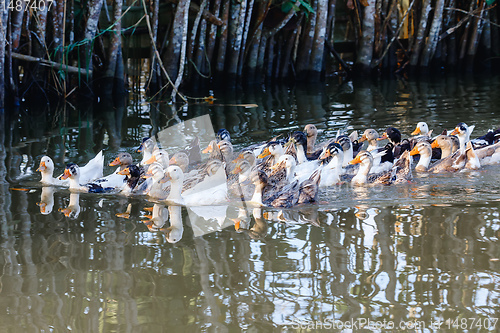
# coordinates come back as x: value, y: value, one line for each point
x: 3, y: 32
x: 365, y: 51
x: 155, y: 67
x: 307, y: 39
x: 221, y: 53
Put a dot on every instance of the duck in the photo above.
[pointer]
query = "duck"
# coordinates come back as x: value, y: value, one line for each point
x: 73, y: 209
x: 223, y: 135
x: 394, y: 136
x: 371, y: 136
x: 274, y: 150
x: 347, y: 147
x: 299, y: 139
x: 158, y: 218
x: 159, y: 155
x: 330, y: 173
x: 457, y: 161
x: 156, y: 173
x: 72, y: 172
x: 147, y: 147
x: 115, y: 180
x: 463, y: 132
x: 447, y: 144
x: 292, y: 194
x: 400, y: 172
x: 181, y: 159
x: 424, y: 149
x: 311, y: 133
x: 422, y: 130
x: 211, y: 191
x: 92, y: 170
x: 248, y: 155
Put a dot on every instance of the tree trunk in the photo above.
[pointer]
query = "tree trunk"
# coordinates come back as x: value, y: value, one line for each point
x: 114, y: 49
x: 236, y: 28
x: 94, y: 9
x: 475, y: 38
x: 304, y: 52
x: 432, y: 40
x: 3, y: 32
x: 213, y: 33
x: 244, y: 38
x: 16, y: 22
x: 365, y: 50
x: 58, y: 24
x: 319, y: 41
x: 172, y: 56
x: 154, y: 76
x: 422, y: 29
x: 183, y: 46
x: 221, y: 52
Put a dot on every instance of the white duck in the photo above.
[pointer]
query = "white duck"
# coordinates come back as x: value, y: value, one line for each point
x: 463, y: 132
x: 147, y: 147
x: 173, y: 234
x: 211, y: 191
x: 92, y: 170
x: 330, y: 173
x: 156, y: 173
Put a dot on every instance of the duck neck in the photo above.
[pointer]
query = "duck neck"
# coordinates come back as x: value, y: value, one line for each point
x: 463, y: 140
x: 348, y: 156
x: 74, y: 182
x: 311, y: 141
x: 423, y: 163
x: 301, y: 154
x: 47, y: 177
x: 446, y: 151
x: 335, y: 163
x: 175, y: 191
x: 372, y: 144
x: 362, y: 175
x: 257, y: 194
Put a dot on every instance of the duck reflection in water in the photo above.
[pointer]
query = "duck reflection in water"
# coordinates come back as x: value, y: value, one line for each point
x: 73, y: 209
x: 174, y: 232
x: 258, y: 230
x: 158, y: 217
x: 46, y: 202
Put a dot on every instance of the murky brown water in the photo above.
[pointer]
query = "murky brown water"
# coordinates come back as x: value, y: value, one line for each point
x: 416, y: 254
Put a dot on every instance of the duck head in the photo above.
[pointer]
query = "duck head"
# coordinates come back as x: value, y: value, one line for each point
x: 71, y: 171
x: 369, y: 135
x: 46, y: 165
x: 422, y: 148
x: 393, y: 134
x: 180, y: 159
x: 272, y: 148
x: 174, y: 174
x: 333, y: 149
x: 421, y: 129
x: 363, y: 158
x: 160, y: 156
x: 223, y: 135
x: 123, y: 159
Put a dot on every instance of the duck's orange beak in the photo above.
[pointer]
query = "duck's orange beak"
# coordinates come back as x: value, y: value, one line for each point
x: 455, y: 131
x: 265, y: 215
x: 124, y: 172
x: 41, y: 167
x: 172, y: 160
x: 165, y: 178
x: 416, y: 131
x: 240, y: 156
x: 383, y: 137
x: 207, y: 150
x: 236, y: 170
x: 435, y: 144
x: 361, y: 139
x: 148, y: 209
x: 237, y: 225
x: 356, y: 160
x: 152, y: 159
x: 325, y: 154
x: 66, y: 174
x: 115, y: 162
x: 414, y: 151
x: 264, y: 153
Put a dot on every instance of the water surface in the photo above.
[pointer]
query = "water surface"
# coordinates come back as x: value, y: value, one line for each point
x: 423, y: 252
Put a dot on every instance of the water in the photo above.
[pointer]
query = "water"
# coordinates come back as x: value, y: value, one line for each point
x: 418, y: 254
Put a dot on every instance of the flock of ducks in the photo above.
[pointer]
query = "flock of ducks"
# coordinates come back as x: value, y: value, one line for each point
x: 282, y: 172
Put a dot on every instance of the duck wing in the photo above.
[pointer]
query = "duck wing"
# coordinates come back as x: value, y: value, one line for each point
x: 93, y: 169
x: 308, y: 190
x: 287, y: 197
